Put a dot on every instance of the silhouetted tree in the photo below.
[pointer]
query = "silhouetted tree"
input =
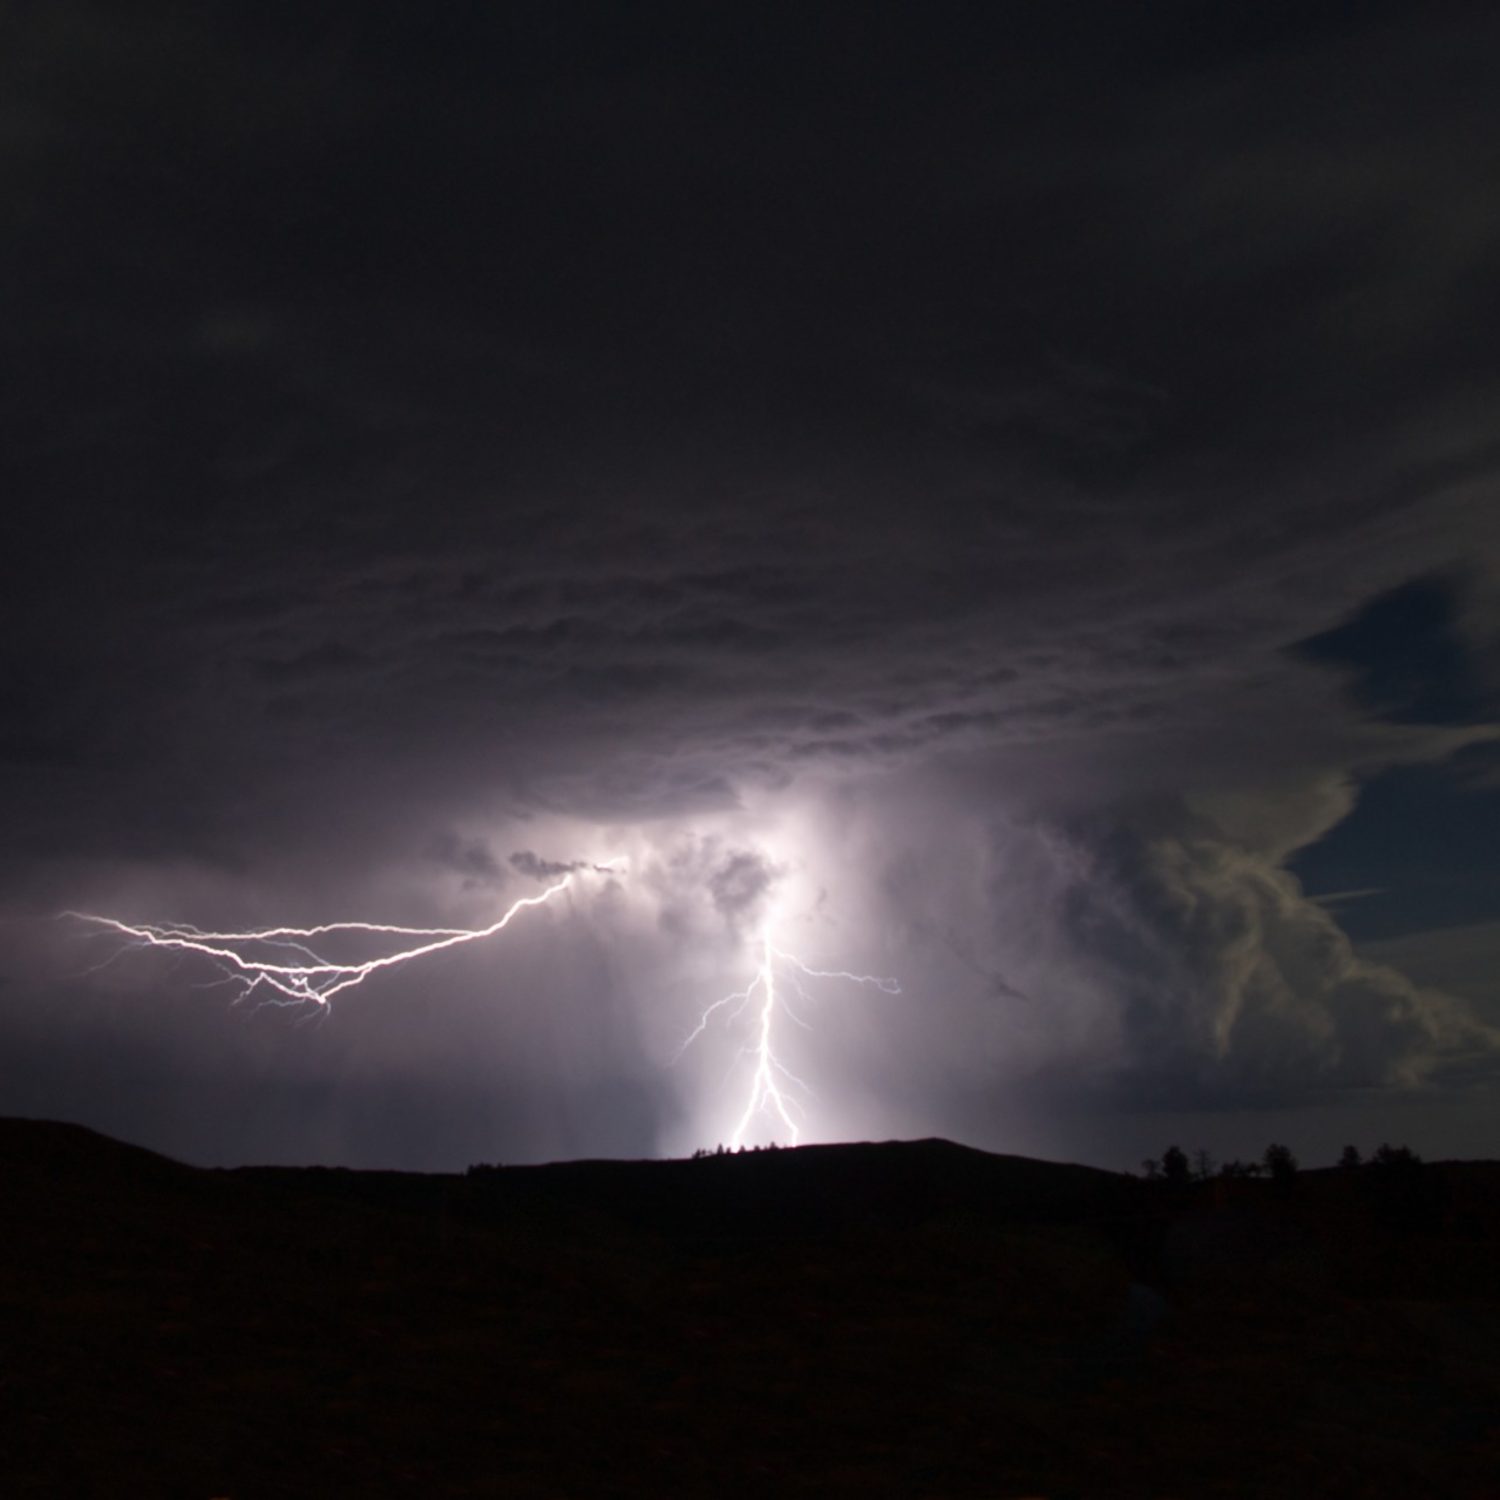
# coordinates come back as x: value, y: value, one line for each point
x: 1204, y: 1165
x: 1174, y: 1166
x: 1151, y: 1169
x: 1349, y: 1159
x: 1281, y: 1165
x: 1407, y: 1195
x: 1240, y: 1169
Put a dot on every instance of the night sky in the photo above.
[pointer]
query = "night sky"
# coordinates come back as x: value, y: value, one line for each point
x: 1005, y: 492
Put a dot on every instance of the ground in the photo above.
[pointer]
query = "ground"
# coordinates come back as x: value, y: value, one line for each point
x: 910, y: 1319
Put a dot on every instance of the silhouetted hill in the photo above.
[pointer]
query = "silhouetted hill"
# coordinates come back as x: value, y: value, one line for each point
x: 50, y: 1147
x: 753, y: 1196
x: 902, y: 1319
x: 820, y: 1189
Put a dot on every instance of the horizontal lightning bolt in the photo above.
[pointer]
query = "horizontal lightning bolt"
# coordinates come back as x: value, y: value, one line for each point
x: 308, y: 978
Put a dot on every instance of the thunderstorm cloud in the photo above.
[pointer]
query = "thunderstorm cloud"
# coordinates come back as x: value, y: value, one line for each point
x: 943, y: 486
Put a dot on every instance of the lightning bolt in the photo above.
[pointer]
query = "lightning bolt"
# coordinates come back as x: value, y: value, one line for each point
x: 774, y: 1089
x: 294, y: 973
x: 283, y: 966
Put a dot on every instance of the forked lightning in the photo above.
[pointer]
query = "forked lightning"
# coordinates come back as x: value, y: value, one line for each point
x: 293, y: 973
x: 774, y: 1089
x: 280, y: 966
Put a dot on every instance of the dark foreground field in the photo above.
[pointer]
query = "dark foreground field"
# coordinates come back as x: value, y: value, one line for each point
x: 903, y: 1319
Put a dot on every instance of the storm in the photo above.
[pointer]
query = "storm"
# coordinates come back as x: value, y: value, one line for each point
x: 995, y: 500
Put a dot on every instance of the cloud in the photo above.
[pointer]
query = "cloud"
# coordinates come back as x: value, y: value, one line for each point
x: 956, y: 484
x: 1144, y: 956
x: 469, y: 857
x: 537, y: 868
x: 1459, y: 961
x: 1234, y: 986
x: 740, y: 884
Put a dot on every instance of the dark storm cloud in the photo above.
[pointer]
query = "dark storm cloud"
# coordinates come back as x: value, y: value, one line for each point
x: 471, y: 858
x: 537, y: 868
x: 740, y: 885
x: 622, y: 413
x: 540, y: 869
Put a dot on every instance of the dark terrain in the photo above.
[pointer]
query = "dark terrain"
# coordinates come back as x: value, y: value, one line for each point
x: 913, y: 1319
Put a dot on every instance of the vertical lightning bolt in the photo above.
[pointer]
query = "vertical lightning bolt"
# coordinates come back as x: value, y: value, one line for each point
x: 774, y: 1090
x: 279, y: 965
x: 765, y: 1087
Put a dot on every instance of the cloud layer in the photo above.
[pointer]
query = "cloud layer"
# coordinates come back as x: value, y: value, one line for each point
x: 879, y: 481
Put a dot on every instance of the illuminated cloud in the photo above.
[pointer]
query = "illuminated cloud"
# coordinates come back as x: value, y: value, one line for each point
x: 942, y: 526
